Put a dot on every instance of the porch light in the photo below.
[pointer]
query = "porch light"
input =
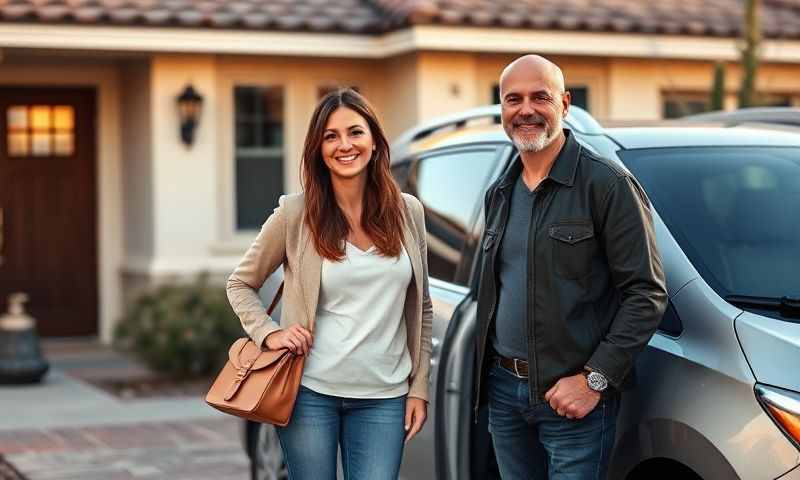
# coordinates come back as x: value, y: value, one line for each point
x: 190, y: 104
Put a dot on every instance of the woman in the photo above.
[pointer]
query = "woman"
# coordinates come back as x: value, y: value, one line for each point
x: 355, y: 264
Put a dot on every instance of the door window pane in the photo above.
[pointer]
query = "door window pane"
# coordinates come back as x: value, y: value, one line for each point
x: 40, y: 130
x: 63, y: 117
x: 17, y: 117
x: 18, y: 144
x: 63, y: 144
x: 40, y: 145
x: 258, y: 152
x: 40, y: 117
x: 450, y: 186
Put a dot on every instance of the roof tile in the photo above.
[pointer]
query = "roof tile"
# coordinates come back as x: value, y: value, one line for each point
x: 781, y: 18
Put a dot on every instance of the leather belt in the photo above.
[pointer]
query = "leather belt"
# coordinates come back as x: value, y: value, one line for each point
x: 514, y: 365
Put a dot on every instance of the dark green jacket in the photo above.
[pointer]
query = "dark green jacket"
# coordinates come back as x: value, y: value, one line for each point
x: 595, y: 285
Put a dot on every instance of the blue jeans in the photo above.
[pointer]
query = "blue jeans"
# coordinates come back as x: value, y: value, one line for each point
x: 370, y: 432
x: 534, y: 442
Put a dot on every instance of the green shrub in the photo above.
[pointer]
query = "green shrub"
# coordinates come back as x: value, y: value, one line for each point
x: 180, y: 330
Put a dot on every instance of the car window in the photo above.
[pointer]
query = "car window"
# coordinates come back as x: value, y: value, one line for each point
x: 400, y: 173
x: 450, y: 185
x: 733, y: 211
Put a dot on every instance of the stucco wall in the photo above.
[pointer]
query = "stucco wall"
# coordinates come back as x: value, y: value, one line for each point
x: 397, y: 99
x: 447, y: 83
x: 137, y: 164
x: 183, y: 177
x: 636, y: 87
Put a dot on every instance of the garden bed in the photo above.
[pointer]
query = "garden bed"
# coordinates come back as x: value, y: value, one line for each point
x: 137, y: 388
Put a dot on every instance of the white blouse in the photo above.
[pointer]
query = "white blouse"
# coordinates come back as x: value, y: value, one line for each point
x: 360, y: 343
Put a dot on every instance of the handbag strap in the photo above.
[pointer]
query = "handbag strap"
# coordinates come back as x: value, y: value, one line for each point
x: 275, y: 300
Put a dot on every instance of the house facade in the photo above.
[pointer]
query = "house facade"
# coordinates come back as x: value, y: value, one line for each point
x: 100, y: 197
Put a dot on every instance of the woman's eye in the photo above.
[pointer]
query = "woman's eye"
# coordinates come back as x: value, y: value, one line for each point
x: 358, y: 132
x: 329, y: 136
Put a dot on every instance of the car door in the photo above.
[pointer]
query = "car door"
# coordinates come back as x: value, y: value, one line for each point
x: 450, y: 183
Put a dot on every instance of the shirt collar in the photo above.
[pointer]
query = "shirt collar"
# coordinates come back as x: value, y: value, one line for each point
x: 563, y: 169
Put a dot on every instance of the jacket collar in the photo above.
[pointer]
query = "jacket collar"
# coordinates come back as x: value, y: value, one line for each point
x: 563, y: 169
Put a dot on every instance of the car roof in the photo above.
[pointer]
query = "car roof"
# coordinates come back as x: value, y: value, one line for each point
x: 779, y: 115
x: 703, y: 136
x: 482, y: 125
x: 478, y: 125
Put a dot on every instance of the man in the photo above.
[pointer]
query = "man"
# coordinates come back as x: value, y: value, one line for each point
x: 571, y: 290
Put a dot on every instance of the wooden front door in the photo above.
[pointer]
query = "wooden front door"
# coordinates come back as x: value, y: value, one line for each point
x: 48, y: 240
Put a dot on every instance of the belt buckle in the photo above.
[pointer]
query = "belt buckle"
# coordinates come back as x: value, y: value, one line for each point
x: 516, y: 369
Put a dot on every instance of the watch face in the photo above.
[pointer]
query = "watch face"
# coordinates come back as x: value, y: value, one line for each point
x: 597, y: 381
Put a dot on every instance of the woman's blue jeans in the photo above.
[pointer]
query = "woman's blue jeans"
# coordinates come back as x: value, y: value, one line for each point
x: 370, y: 432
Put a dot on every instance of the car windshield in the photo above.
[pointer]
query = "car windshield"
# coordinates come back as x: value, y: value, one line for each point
x: 735, y: 211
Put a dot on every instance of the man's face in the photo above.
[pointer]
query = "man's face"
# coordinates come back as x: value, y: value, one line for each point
x: 532, y: 108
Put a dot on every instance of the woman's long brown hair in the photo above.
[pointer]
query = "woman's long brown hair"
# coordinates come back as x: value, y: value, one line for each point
x: 382, y: 217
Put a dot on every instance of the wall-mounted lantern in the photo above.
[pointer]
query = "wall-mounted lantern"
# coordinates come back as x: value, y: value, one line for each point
x: 190, y: 103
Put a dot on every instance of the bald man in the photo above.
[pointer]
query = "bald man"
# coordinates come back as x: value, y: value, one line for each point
x: 571, y: 288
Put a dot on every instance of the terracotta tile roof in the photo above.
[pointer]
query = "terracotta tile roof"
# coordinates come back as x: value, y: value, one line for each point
x: 721, y: 18
x: 356, y: 16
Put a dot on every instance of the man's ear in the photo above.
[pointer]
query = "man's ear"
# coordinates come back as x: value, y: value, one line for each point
x: 566, y: 101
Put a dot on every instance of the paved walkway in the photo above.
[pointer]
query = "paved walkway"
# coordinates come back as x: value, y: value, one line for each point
x: 200, y: 449
x: 66, y: 428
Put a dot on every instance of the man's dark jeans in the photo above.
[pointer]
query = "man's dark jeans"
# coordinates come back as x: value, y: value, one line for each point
x: 534, y: 442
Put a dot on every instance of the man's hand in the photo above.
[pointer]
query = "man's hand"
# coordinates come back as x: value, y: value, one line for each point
x: 572, y: 397
x: 296, y: 338
x: 416, y: 414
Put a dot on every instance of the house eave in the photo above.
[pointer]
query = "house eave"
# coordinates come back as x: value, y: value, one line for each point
x: 415, y: 38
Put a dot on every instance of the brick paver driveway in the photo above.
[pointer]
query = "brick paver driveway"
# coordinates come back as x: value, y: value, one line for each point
x: 187, y: 450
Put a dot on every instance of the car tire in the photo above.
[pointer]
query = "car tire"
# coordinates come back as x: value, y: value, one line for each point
x: 267, y: 459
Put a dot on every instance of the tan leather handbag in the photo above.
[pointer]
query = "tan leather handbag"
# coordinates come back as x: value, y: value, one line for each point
x: 256, y: 384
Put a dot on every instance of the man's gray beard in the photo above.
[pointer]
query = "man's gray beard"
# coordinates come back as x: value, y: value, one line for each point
x: 539, y: 142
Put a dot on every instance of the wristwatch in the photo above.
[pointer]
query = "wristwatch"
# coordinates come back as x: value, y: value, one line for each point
x: 596, y: 381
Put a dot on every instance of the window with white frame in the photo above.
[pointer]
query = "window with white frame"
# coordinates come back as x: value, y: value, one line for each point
x: 259, y: 152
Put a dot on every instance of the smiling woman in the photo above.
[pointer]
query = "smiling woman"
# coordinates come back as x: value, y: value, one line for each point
x: 347, y: 144
x: 347, y: 151
x: 356, y: 302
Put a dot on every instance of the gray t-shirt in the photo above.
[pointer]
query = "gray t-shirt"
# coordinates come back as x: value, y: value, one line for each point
x: 510, y: 332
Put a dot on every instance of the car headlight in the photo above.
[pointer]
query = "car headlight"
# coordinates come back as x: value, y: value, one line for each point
x: 783, y: 406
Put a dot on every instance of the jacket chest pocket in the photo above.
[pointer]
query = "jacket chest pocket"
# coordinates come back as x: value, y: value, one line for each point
x: 573, y: 246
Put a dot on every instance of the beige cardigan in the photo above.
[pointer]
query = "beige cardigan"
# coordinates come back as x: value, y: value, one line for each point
x: 285, y: 239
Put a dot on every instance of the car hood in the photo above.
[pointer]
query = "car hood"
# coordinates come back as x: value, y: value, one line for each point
x: 772, y: 348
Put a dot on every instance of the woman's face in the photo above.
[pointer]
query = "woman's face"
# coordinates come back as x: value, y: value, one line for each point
x: 347, y: 144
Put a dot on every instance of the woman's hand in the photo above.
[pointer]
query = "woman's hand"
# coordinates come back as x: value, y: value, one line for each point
x: 416, y: 414
x: 296, y: 338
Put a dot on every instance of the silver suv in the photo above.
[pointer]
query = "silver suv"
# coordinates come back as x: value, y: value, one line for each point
x: 718, y: 394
